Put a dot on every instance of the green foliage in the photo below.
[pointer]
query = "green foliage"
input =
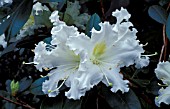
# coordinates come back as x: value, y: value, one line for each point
x: 168, y: 27
x: 121, y: 101
x: 163, y: 2
x: 48, y: 1
x: 36, y: 86
x: 14, y: 87
x: 17, y: 19
x: 93, y: 23
x: 158, y: 13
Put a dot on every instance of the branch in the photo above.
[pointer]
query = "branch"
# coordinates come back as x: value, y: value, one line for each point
x: 17, y: 103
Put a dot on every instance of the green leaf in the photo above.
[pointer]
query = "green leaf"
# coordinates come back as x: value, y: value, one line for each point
x: 36, y: 87
x: 168, y: 27
x: 163, y: 2
x: 158, y: 13
x: 72, y: 104
x: 93, y: 23
x: 6, y: 104
x: 43, y: 18
x: 121, y: 101
x: 14, y: 87
x: 48, y: 1
x: 52, y: 103
x: 24, y: 83
x: 17, y: 19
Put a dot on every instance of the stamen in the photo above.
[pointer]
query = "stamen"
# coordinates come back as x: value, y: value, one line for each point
x: 29, y: 62
x: 163, y: 85
x: 151, y: 54
x: 109, y: 83
x: 145, y: 44
x: 49, y: 91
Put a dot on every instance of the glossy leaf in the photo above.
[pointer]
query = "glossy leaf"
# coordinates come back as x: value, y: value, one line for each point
x: 7, y: 83
x: 163, y: 2
x: 158, y: 13
x: 121, y: 101
x: 36, y: 87
x: 6, y: 104
x: 14, y: 22
x: 168, y: 27
x: 72, y: 104
x: 48, y: 1
x: 52, y: 103
x: 93, y: 23
x: 24, y: 83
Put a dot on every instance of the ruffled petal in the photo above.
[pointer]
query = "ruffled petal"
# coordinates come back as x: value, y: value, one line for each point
x: 164, y: 96
x: 114, y: 79
x: 61, y: 33
x: 106, y: 34
x: 84, y: 81
x: 142, y: 61
x: 163, y: 72
x: 50, y: 86
x: 42, y: 57
x: 120, y: 16
x: 79, y: 43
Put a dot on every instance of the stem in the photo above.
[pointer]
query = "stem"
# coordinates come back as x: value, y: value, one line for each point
x: 17, y: 103
x: 102, y: 7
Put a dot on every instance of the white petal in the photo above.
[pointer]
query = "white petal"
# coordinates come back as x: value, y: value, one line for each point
x: 116, y: 79
x: 42, y: 57
x: 121, y: 15
x: 50, y: 86
x: 164, y: 96
x: 163, y: 72
x: 2, y: 41
x: 84, y: 81
x: 106, y: 34
x: 141, y: 62
x: 61, y: 33
x: 79, y: 43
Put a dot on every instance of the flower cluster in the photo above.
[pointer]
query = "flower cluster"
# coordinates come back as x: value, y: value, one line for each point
x: 163, y: 73
x: 2, y: 2
x: 81, y: 62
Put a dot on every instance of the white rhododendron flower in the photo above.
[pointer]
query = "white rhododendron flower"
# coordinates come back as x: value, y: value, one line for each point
x: 163, y: 73
x: 112, y: 47
x: 38, y: 8
x: 2, y: 41
x: 67, y: 65
x: 82, y: 62
x: 2, y: 2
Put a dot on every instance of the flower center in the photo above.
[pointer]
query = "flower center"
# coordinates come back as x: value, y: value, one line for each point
x: 99, y: 49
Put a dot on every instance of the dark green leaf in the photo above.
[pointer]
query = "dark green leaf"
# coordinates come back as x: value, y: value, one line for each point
x: 163, y: 2
x: 42, y: 18
x: 48, y: 1
x: 158, y: 13
x: 17, y: 19
x: 48, y: 40
x: 141, y: 83
x: 24, y: 83
x: 72, y: 104
x: 7, y: 105
x: 61, y: 4
x: 168, y: 27
x: 52, y: 103
x: 121, y: 101
x: 93, y: 23
x: 36, y: 87
x: 8, y: 87
x: 153, y: 88
x: 9, y: 48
